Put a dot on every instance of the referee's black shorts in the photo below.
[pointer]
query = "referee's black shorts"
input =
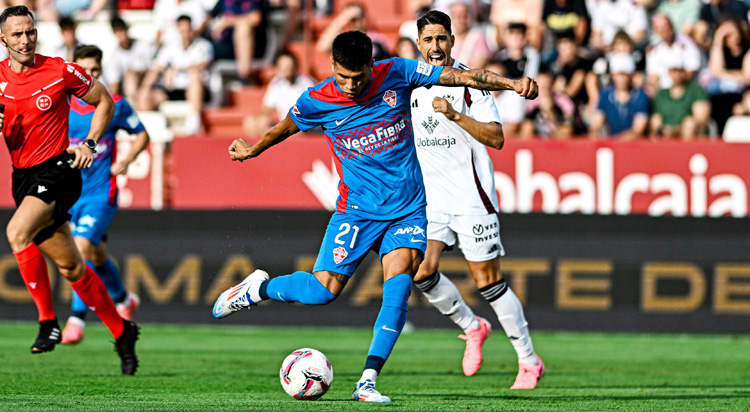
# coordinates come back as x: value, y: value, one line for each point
x: 51, y: 181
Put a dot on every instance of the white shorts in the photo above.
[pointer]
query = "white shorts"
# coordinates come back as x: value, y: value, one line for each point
x: 478, y: 236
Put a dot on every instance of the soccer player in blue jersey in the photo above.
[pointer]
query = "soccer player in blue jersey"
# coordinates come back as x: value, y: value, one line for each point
x: 94, y: 210
x: 364, y: 111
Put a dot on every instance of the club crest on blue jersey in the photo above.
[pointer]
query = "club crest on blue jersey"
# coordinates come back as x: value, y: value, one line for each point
x: 390, y: 98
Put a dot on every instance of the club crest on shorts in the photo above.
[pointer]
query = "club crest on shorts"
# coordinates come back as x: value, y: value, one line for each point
x: 339, y: 254
x: 390, y: 98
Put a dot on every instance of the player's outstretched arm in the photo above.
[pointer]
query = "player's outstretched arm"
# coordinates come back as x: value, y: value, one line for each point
x: 487, y: 133
x: 487, y: 80
x: 241, y: 149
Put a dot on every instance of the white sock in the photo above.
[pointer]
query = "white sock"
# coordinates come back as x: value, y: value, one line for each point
x: 509, y: 312
x: 443, y: 294
x: 370, y: 374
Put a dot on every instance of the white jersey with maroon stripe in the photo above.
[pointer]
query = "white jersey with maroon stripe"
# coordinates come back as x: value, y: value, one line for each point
x: 458, y: 173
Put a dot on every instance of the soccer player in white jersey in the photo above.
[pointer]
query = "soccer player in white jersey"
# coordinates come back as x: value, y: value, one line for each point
x: 452, y: 126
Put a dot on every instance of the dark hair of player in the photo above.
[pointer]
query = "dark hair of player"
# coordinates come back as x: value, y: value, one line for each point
x: 434, y: 17
x: 118, y: 23
x: 84, y: 52
x: 14, y: 11
x: 184, y: 17
x: 352, y: 50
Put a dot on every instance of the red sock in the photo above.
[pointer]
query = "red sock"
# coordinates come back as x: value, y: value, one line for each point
x: 92, y: 291
x: 33, y: 270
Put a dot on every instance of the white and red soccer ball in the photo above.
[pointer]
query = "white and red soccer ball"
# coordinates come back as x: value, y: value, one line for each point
x: 306, y: 374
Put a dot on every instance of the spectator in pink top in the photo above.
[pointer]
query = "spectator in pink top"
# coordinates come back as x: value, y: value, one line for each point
x: 470, y: 45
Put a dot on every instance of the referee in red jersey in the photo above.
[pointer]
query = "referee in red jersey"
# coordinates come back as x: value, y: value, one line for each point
x: 35, y: 92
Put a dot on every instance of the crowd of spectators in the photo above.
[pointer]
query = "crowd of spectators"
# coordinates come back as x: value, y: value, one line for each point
x: 628, y: 69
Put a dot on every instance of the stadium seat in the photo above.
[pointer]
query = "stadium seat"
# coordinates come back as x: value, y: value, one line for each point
x: 737, y: 130
x: 156, y: 126
x: 175, y: 112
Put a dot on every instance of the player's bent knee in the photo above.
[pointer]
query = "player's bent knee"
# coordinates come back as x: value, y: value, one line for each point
x: 72, y: 271
x: 18, y: 236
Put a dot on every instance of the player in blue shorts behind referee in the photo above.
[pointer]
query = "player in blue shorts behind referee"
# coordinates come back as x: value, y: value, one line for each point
x: 364, y: 111
x: 94, y: 210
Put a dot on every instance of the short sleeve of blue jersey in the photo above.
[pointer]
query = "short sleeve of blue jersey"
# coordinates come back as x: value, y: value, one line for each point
x: 417, y: 73
x: 305, y: 112
x: 126, y: 118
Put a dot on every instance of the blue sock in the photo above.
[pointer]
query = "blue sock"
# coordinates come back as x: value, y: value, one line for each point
x: 111, y: 278
x: 302, y: 287
x: 79, y: 308
x: 391, y: 319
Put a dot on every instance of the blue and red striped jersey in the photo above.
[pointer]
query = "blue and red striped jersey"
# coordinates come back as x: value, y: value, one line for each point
x: 371, y: 138
x: 98, y: 179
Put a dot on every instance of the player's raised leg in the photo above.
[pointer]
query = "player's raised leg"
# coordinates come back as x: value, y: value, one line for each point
x: 446, y: 298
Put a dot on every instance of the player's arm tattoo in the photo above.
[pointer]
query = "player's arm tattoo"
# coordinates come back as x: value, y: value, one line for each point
x: 476, y: 78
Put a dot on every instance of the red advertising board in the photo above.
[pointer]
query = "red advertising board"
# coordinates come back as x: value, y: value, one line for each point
x: 656, y: 178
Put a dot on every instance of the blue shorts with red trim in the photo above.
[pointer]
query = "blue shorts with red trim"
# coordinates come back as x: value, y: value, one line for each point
x: 91, y: 217
x: 349, y: 238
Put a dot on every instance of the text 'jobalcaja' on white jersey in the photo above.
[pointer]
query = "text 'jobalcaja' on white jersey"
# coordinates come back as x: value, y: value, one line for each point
x: 458, y: 173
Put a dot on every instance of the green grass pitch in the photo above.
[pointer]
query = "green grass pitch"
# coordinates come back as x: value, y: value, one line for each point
x: 230, y: 368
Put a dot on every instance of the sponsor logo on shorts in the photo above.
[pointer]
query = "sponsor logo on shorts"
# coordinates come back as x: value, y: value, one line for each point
x: 413, y: 230
x: 487, y: 238
x: 390, y: 98
x: 339, y: 254
x: 41, y: 189
x: 479, y: 229
x: 43, y: 102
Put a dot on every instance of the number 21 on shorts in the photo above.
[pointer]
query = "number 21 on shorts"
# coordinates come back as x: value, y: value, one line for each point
x: 344, y: 230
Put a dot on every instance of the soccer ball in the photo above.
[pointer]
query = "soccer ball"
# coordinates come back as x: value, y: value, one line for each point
x: 306, y: 374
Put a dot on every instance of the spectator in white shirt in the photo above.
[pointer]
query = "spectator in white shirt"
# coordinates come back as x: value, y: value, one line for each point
x: 181, y: 69
x: 282, y: 93
x: 669, y: 47
x: 610, y: 16
x: 165, y: 16
x: 128, y: 63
